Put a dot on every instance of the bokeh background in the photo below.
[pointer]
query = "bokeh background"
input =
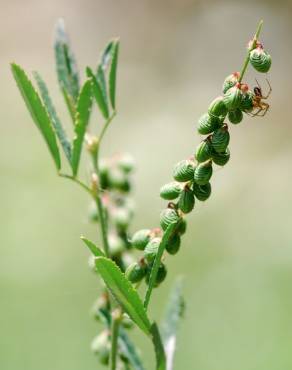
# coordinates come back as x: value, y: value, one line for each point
x: 237, y: 254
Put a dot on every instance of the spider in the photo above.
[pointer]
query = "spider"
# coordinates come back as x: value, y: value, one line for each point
x: 262, y: 107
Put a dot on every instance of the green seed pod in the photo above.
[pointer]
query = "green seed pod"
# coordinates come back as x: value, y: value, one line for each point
x: 204, y: 151
x: 118, y: 180
x: 182, y: 227
x: 247, y: 102
x: 170, y: 191
x: 184, y: 170
x: 136, y: 272
x: 217, y: 108
x: 186, y: 200
x: 203, y: 173
x: 161, y: 275
x: 116, y: 245
x: 103, y: 174
x: 233, y: 97
x: 141, y: 238
x: 235, y: 116
x: 230, y: 81
x: 221, y: 158
x: 167, y: 217
x: 101, y: 347
x: 121, y: 217
x: 207, y: 124
x: 173, y: 244
x: 127, y: 322
x: 220, y: 139
x: 151, y: 249
x: 202, y: 192
x: 260, y: 60
x: 126, y: 163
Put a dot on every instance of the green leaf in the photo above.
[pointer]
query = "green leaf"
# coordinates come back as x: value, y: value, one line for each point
x: 37, y: 111
x: 113, y: 73
x: 92, y: 247
x: 123, y: 291
x: 83, y: 109
x: 174, y: 312
x: 61, y: 134
x: 129, y: 351
x: 98, y: 93
x: 100, y: 77
x: 158, y: 346
x: 67, y: 70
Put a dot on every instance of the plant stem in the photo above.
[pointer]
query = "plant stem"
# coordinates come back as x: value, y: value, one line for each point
x: 251, y: 47
x: 84, y: 186
x: 116, y: 319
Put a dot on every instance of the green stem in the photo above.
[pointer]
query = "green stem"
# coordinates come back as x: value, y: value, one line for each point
x: 84, y: 186
x: 116, y: 319
x: 251, y: 47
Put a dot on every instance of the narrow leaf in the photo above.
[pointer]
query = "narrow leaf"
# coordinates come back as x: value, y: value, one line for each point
x: 98, y: 93
x: 106, y: 56
x: 83, y: 109
x: 113, y: 73
x: 174, y: 312
x: 92, y: 247
x: 37, y: 111
x: 158, y: 346
x: 67, y: 70
x: 123, y: 291
x: 61, y: 134
x: 129, y: 351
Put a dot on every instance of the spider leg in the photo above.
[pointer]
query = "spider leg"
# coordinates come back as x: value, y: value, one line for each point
x: 270, y: 90
x: 259, y: 86
x: 257, y: 112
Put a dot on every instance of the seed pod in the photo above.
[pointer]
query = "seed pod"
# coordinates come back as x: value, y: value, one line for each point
x: 173, y: 244
x: 247, y: 102
x: 207, y: 124
x: 118, y: 180
x: 186, y: 200
x: 101, y: 347
x: 170, y: 191
x: 202, y: 192
x: 116, y: 245
x: 235, y: 116
x: 217, y: 108
x: 136, y: 272
x: 121, y: 218
x: 182, y: 227
x: 167, y: 217
x: 126, y: 163
x: 141, y: 238
x: 204, y: 151
x: 230, y: 81
x: 221, y: 158
x: 260, y: 60
x: 161, y: 275
x: 220, y: 139
x: 127, y: 322
x: 203, y: 173
x: 151, y: 249
x: 184, y: 170
x: 233, y: 97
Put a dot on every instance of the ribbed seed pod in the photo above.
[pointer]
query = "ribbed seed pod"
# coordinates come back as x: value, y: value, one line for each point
x: 101, y: 347
x: 247, y: 102
x: 161, y: 275
x: 203, y: 173
x: 167, y: 217
x: 151, y: 249
x: 173, y: 244
x: 221, y: 158
x: 230, y: 81
x: 186, y: 200
x: 141, y: 238
x: 202, y: 192
x: 207, y: 124
x: 184, y: 170
x: 233, y: 97
x: 136, y: 272
x: 260, y: 60
x: 220, y: 139
x: 182, y: 227
x: 171, y: 190
x: 116, y: 245
x: 235, y: 116
x: 204, y: 151
x: 217, y: 108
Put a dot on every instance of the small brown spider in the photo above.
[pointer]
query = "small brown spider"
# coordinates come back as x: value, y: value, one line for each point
x: 258, y: 104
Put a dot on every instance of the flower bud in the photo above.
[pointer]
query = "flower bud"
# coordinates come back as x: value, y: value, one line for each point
x: 247, y: 102
x: 170, y: 191
x: 160, y: 277
x: 151, y: 249
x: 233, y: 97
x: 235, y: 116
x: 182, y: 227
x: 202, y: 192
x: 173, y: 244
x: 260, y: 60
x: 101, y: 347
x: 167, y: 217
x: 230, y: 81
x: 141, y: 238
x: 126, y: 163
x: 204, y: 151
x: 220, y: 139
x: 203, y: 173
x: 221, y: 158
x: 136, y: 272
x: 116, y: 245
x: 217, y: 108
x: 184, y: 171
x: 186, y: 200
x: 127, y: 323
x: 121, y: 217
x: 207, y: 124
x: 118, y: 180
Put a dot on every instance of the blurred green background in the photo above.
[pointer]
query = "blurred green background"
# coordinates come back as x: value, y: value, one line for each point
x: 237, y: 254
